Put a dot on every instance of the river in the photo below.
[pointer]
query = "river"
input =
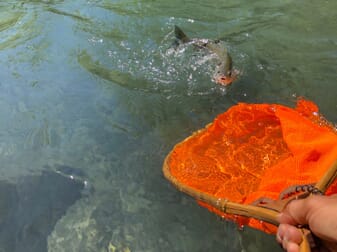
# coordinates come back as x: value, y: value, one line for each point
x: 96, y: 91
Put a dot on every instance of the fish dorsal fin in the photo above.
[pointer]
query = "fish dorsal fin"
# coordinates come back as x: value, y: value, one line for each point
x: 180, y: 35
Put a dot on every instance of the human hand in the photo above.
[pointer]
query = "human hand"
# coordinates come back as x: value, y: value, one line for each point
x: 319, y: 213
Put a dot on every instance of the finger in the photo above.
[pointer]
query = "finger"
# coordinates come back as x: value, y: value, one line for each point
x: 297, y: 211
x: 289, y: 233
x: 289, y: 236
x: 292, y: 247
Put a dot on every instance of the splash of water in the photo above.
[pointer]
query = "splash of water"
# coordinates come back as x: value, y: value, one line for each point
x: 161, y: 67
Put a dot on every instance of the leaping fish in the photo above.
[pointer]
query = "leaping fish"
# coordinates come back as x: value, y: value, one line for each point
x: 224, y: 74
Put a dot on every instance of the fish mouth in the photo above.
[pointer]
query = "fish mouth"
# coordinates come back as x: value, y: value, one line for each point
x: 226, y: 80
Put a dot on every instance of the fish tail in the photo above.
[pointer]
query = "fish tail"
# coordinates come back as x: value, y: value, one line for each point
x: 180, y: 35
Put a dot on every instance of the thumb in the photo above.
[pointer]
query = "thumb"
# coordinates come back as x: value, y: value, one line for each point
x: 297, y: 212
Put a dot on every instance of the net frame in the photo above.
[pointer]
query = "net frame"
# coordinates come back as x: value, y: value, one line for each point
x: 267, y: 212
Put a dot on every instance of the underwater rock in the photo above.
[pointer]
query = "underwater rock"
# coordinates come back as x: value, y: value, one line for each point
x: 30, y: 208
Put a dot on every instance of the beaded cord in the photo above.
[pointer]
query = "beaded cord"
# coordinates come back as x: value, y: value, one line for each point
x: 308, y: 188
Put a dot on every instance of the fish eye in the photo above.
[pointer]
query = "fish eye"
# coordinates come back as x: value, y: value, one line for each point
x: 217, y: 41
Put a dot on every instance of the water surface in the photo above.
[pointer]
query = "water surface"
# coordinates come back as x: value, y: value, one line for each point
x: 94, y: 90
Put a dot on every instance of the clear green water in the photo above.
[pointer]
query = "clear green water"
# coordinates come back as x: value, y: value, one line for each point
x: 95, y: 85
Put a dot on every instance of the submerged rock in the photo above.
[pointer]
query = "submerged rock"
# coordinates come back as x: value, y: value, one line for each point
x: 30, y: 208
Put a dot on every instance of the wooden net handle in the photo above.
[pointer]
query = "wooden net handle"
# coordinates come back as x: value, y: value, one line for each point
x: 305, y: 244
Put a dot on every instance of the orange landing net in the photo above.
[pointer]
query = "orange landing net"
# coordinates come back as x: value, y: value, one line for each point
x: 253, y: 151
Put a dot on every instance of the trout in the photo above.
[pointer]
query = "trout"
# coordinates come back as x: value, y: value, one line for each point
x: 224, y: 75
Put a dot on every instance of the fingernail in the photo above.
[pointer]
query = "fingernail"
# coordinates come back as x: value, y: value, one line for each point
x: 285, y: 242
x: 279, y: 236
